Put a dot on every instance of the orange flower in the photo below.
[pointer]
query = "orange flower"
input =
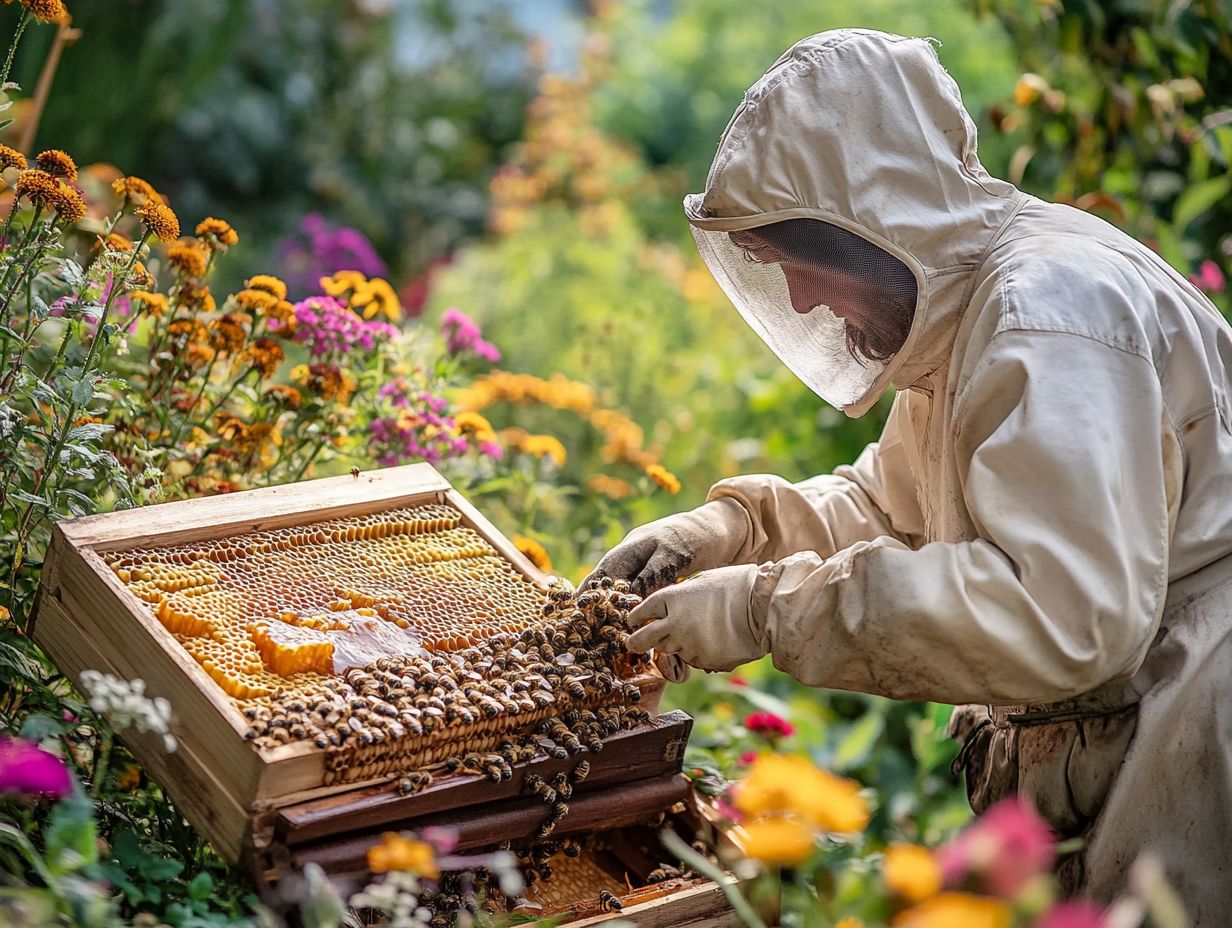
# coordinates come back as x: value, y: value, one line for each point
x: 780, y: 840
x: 911, y: 872
x: 160, y: 220
x: 136, y: 191
x: 265, y: 355
x: 471, y: 423
x: 47, y: 11
x: 396, y: 852
x: 153, y: 303
x: 664, y: 478
x: 189, y: 258
x: 57, y: 163
x: 196, y: 296
x: 536, y: 552
x: 39, y: 187
x: 217, y: 232
x: 612, y: 487
x: 950, y: 910
x: 229, y: 332
x: 256, y: 301
x: 116, y: 241
x: 269, y: 283
x: 11, y: 158
x: 784, y: 783
x: 285, y: 396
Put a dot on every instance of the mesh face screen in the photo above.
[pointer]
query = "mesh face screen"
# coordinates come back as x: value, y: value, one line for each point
x: 833, y: 306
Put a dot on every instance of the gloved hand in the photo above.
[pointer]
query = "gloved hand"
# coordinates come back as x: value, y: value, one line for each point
x: 656, y: 554
x: 705, y: 621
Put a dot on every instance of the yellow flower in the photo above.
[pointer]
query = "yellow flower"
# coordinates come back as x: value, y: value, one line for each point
x: 778, y: 839
x: 136, y: 191
x: 265, y: 355
x: 229, y: 332
x: 161, y: 220
x: 68, y: 203
x: 47, y: 11
x: 368, y: 297
x: 536, y: 552
x: 665, y: 479
x: 849, y: 922
x: 11, y: 158
x: 57, y: 163
x: 39, y: 187
x: 956, y: 910
x: 153, y: 303
x: 269, y: 283
x: 396, y: 852
x: 189, y: 258
x: 217, y: 232
x: 256, y: 301
x: 546, y: 446
x: 787, y: 783
x: 116, y: 241
x: 195, y: 295
x: 912, y: 872
x: 471, y: 423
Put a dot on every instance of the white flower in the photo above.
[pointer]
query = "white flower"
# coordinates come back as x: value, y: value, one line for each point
x: 125, y: 705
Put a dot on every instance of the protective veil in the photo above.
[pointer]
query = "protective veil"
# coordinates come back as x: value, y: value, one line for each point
x: 1044, y: 527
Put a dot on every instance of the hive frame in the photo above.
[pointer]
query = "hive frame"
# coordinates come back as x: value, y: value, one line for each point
x: 87, y: 618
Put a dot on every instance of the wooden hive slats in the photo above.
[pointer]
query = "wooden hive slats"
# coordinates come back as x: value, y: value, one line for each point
x: 269, y: 507
x: 650, y: 750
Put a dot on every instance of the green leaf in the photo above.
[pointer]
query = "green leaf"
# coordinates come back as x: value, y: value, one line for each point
x: 857, y: 742
x: 38, y: 725
x: 1198, y: 199
x: 71, y: 836
x: 201, y: 886
x: 83, y: 391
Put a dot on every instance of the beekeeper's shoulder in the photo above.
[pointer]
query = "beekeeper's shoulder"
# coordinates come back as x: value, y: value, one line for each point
x: 1066, y: 280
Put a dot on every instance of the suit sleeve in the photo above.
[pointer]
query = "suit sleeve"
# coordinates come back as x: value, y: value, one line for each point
x: 1061, y: 441
x: 873, y: 497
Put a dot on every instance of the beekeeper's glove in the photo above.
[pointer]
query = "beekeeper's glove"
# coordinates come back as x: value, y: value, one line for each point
x: 706, y: 621
x: 656, y: 554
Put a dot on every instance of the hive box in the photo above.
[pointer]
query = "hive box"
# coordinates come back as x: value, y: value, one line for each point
x: 270, y: 807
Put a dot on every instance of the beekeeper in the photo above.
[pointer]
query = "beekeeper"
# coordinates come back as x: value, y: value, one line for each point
x: 1043, y: 529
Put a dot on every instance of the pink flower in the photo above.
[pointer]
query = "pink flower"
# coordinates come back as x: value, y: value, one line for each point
x: 462, y: 335
x: 768, y: 725
x: 443, y: 840
x: 748, y: 757
x: 25, y: 768
x: 1080, y: 913
x: 1209, y: 277
x: 735, y: 680
x: 1006, y: 847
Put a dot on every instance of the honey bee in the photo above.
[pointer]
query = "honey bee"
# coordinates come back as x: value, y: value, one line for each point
x: 663, y: 872
x: 452, y: 764
x: 574, y: 688
x: 560, y: 783
x: 538, y: 787
x: 608, y: 902
x: 415, y: 781
x: 572, y: 848
x: 355, y: 472
x: 581, y: 771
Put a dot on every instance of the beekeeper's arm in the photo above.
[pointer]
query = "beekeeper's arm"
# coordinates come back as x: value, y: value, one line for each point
x: 1070, y: 467
x: 760, y: 517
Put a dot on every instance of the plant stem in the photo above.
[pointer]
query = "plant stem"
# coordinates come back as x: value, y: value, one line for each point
x: 315, y: 451
x: 8, y: 61
x: 739, y: 904
x: 102, y: 762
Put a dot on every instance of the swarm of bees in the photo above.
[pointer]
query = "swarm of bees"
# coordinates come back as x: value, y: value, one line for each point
x: 556, y: 689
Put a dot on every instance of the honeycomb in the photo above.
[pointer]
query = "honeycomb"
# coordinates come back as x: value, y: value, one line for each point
x: 395, y: 641
x: 270, y: 610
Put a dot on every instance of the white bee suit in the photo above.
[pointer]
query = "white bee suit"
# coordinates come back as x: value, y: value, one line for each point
x: 1043, y: 528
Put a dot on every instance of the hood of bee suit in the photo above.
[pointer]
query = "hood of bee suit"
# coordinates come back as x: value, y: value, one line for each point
x: 866, y: 134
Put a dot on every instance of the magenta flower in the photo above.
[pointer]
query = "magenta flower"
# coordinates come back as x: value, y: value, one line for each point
x: 329, y: 327
x: 462, y: 336
x: 320, y: 249
x: 26, y: 768
x: 748, y: 757
x: 768, y: 725
x: 1209, y: 278
x: 1005, y: 849
x: 736, y: 680
x: 1079, y: 913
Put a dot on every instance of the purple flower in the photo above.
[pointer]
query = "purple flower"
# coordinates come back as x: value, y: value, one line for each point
x: 328, y: 326
x: 1078, y: 913
x: 462, y: 336
x: 26, y: 768
x: 320, y: 249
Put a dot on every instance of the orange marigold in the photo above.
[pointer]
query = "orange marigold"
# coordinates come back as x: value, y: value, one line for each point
x: 116, y: 241
x: 135, y: 190
x: 47, y: 11
x: 228, y: 332
x: 57, y: 163
x: 536, y: 552
x: 283, y: 313
x: 188, y: 330
x: 196, y: 296
x: 326, y: 381
x: 139, y: 277
x: 153, y: 303
x: 256, y: 301
x: 217, y: 232
x: 664, y: 478
x: 264, y: 354
x: 189, y: 258
x: 11, y: 158
x: 39, y: 187
x: 160, y: 220
x: 68, y: 203
x: 197, y: 356
x: 285, y: 396
x: 269, y: 283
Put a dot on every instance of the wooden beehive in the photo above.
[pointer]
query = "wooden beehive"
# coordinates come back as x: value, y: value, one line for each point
x: 277, y: 807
